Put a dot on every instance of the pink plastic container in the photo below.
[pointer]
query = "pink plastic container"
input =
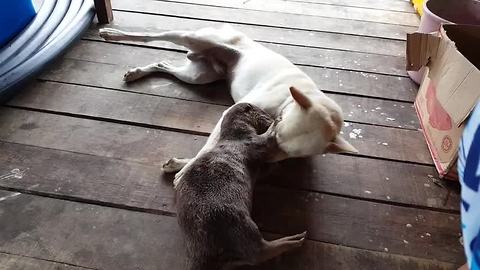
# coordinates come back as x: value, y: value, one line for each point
x: 428, y: 23
x: 438, y: 12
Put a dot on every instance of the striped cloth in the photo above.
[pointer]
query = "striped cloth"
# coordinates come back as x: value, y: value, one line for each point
x: 469, y: 174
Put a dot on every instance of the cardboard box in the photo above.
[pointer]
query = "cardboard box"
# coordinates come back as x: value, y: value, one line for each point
x: 449, y: 90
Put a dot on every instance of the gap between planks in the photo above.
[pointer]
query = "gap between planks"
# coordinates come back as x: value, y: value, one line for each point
x: 20, y: 261
x: 318, y: 10
x: 389, y: 175
x: 92, y: 57
x: 117, y: 182
x: 399, y: 6
x: 99, y: 226
x: 189, y: 131
x: 145, y: 22
x: 256, y: 17
x: 359, y: 110
x: 374, y: 64
x: 283, y: 179
x: 201, y: 118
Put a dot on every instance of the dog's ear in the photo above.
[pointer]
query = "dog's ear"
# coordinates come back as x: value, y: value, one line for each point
x: 300, y: 98
x: 340, y: 145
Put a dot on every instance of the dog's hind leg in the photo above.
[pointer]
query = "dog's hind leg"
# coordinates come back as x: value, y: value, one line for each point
x: 195, y: 41
x: 193, y: 72
x: 211, y: 53
x: 177, y: 37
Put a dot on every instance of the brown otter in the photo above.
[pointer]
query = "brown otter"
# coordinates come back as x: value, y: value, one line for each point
x: 214, y: 198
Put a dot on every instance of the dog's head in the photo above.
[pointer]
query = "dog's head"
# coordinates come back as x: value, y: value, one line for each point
x: 311, y: 125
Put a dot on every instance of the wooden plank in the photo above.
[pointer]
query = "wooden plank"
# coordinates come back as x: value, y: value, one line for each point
x: 395, y: 144
x: 156, y: 23
x: 126, y: 106
x: 80, y: 72
x: 382, y: 64
x: 319, y: 10
x: 255, y: 17
x: 193, y: 117
x: 200, y: 118
x: 389, y: 181
x: 336, y: 81
x: 95, y: 137
x: 104, y: 11
x: 345, y: 60
x: 339, y: 257
x: 402, y: 6
x: 364, y: 84
x: 377, y: 111
x: 102, y: 52
x: 130, y: 107
x: 382, y: 180
x: 109, y: 238
x: 327, y: 218
x: 16, y: 262
x: 89, y: 235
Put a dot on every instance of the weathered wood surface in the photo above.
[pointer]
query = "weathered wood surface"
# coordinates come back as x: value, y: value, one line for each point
x: 336, y: 81
x: 83, y: 135
x: 89, y: 235
x: 393, y: 87
x: 402, y: 6
x: 16, y: 262
x: 133, y: 107
x: 200, y: 118
x: 320, y: 10
x: 255, y: 17
x: 316, y: 57
x: 107, y: 238
x: 359, y: 177
x: 327, y: 217
x: 155, y: 23
x: 332, y: 219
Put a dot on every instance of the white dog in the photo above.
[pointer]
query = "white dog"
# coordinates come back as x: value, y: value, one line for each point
x: 308, y: 122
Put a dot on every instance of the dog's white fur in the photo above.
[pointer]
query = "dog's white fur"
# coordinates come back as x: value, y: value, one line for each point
x: 308, y: 123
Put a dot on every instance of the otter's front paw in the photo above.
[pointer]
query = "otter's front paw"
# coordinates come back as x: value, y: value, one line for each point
x: 174, y: 165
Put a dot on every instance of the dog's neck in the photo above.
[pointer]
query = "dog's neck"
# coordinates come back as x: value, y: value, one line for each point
x: 281, y: 109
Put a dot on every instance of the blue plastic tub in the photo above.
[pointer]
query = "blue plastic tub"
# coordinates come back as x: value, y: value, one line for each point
x: 14, y: 16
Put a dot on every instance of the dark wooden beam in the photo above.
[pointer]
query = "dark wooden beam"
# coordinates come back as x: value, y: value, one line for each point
x: 104, y: 11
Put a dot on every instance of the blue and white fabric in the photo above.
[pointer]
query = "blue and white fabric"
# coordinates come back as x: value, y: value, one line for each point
x: 469, y: 174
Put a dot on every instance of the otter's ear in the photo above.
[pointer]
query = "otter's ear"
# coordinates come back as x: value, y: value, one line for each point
x: 340, y: 145
x: 300, y: 98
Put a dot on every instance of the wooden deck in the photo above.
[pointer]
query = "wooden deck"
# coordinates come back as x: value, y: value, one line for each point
x: 81, y: 185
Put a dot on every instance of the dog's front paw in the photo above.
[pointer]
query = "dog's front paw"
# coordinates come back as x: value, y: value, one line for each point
x: 174, y: 165
x: 110, y: 34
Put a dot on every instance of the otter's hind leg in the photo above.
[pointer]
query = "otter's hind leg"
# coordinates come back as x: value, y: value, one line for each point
x: 271, y: 249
